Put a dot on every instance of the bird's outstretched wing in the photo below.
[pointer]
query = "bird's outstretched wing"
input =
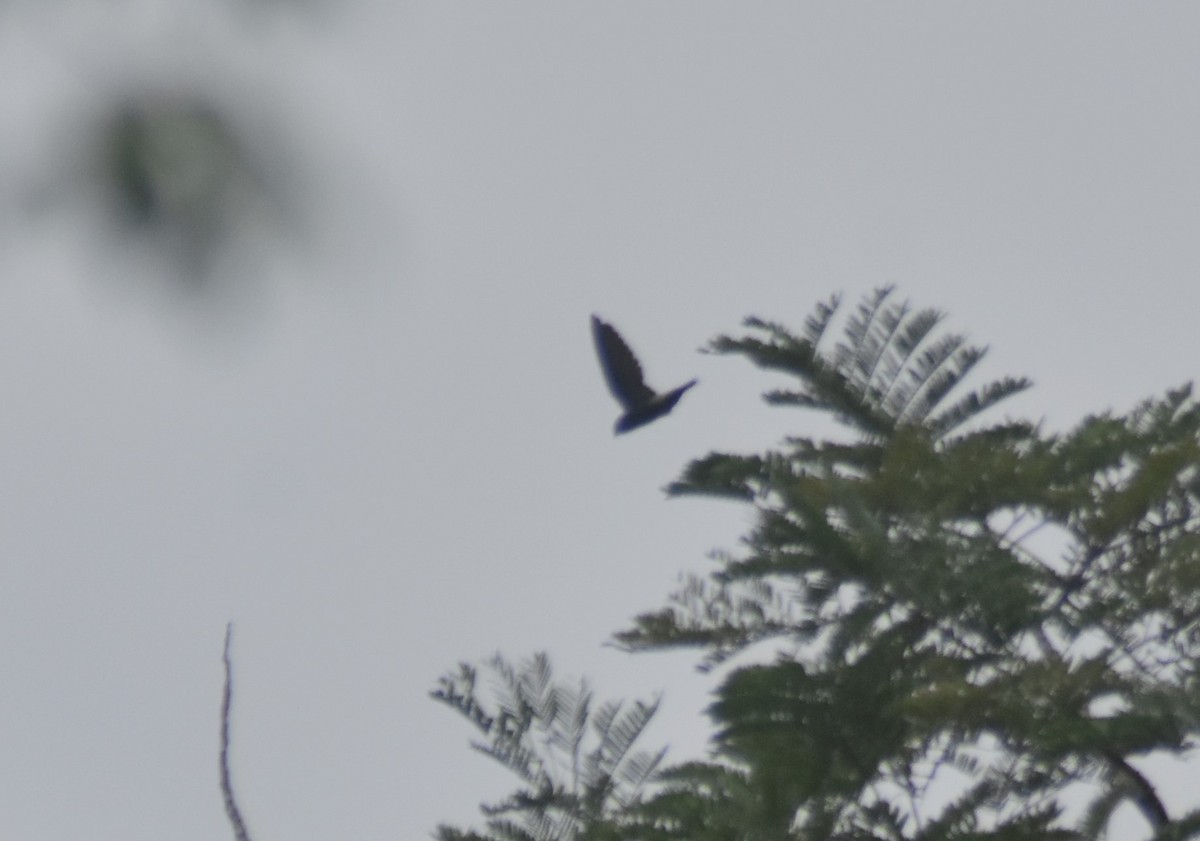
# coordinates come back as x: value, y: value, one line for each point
x: 621, y: 368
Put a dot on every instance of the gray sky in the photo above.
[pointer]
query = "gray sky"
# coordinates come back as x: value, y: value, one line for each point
x: 397, y: 453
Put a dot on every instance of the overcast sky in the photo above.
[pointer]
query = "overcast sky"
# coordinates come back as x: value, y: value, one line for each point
x: 396, y: 453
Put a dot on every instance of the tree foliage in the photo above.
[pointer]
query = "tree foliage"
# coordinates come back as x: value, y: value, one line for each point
x: 969, y: 620
x: 573, y: 758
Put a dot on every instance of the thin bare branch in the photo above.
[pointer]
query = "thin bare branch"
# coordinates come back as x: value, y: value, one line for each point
x: 231, y: 809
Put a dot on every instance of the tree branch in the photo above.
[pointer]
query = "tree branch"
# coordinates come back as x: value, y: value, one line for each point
x: 1144, y: 795
x: 231, y: 809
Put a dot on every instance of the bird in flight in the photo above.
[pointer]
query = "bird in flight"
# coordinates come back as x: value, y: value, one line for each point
x: 641, y: 403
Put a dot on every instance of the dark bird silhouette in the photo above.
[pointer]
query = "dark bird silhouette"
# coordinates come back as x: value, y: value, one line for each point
x: 641, y: 403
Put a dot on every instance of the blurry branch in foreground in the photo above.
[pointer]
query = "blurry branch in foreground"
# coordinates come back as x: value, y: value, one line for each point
x: 231, y: 809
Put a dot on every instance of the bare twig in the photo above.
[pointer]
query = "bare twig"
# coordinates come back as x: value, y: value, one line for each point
x: 231, y: 809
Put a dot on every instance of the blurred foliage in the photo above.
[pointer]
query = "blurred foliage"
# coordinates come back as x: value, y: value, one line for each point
x: 172, y: 167
x: 162, y: 147
x: 978, y: 616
